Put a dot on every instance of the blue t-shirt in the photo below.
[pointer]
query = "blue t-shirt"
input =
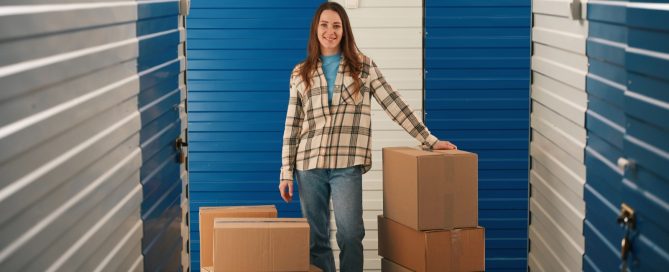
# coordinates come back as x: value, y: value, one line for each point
x: 330, y: 68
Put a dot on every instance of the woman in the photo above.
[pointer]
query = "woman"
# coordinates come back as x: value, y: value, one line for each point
x: 327, y: 137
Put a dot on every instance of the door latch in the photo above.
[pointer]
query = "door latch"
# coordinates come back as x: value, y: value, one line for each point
x: 627, y: 221
x: 179, y: 145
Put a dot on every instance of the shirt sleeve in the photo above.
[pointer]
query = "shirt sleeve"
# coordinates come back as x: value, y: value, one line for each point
x: 392, y: 103
x: 291, y: 133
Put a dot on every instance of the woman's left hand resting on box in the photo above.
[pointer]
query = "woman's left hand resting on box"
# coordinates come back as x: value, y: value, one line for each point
x: 444, y: 145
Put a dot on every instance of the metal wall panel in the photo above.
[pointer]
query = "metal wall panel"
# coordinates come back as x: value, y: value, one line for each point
x: 89, y: 112
x: 477, y: 71
x: 162, y: 62
x: 390, y: 32
x: 559, y: 102
x: 627, y: 118
x: 240, y: 56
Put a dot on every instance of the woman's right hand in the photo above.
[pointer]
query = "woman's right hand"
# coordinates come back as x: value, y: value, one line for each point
x: 286, y: 190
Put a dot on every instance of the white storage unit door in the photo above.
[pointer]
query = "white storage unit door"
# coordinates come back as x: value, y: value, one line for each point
x: 89, y: 113
x: 390, y: 32
x: 559, y: 102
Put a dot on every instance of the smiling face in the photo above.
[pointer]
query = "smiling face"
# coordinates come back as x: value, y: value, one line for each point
x: 330, y: 32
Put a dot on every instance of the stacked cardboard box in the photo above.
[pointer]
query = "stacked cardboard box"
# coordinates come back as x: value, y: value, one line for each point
x: 251, y: 238
x: 207, y: 216
x: 312, y: 268
x: 254, y: 244
x: 430, y: 211
x: 388, y: 266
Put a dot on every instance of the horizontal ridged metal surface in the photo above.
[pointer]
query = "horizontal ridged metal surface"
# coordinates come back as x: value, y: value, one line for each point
x: 477, y: 95
x: 240, y: 55
x: 161, y: 64
x: 559, y: 102
x: 88, y: 91
x: 627, y: 118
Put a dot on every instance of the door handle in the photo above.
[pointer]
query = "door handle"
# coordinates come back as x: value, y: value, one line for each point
x: 625, y: 164
x: 179, y: 144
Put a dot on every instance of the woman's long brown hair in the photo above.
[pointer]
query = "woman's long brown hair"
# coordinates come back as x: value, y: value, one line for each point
x: 348, y: 48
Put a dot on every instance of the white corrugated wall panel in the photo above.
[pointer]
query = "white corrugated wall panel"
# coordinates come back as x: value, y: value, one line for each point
x: 185, y: 225
x: 185, y: 203
x: 559, y: 102
x: 70, y: 131
x: 70, y: 192
x: 390, y: 32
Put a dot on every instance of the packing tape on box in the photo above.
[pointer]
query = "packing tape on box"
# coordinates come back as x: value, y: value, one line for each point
x: 456, y: 249
x: 449, y: 197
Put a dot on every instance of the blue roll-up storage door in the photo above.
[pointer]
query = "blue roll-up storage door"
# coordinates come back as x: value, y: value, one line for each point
x: 240, y: 56
x: 477, y: 57
x: 627, y: 120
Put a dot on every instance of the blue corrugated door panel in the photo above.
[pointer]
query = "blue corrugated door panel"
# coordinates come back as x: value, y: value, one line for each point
x: 477, y: 69
x: 240, y: 55
x: 628, y: 113
x: 159, y: 67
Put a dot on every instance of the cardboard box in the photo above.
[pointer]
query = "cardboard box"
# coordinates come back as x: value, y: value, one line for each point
x: 207, y: 215
x: 389, y: 266
x: 428, y: 190
x: 261, y: 244
x: 312, y: 268
x: 435, y: 250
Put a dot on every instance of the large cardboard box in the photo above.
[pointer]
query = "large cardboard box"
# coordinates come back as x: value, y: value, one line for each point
x: 312, y: 268
x: 207, y: 215
x: 428, y: 190
x: 261, y: 244
x: 435, y: 250
x: 389, y: 266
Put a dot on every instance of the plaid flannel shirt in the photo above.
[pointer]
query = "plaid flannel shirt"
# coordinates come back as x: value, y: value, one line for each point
x: 338, y: 136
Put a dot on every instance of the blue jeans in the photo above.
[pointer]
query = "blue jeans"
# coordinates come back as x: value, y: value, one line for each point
x: 345, y: 186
